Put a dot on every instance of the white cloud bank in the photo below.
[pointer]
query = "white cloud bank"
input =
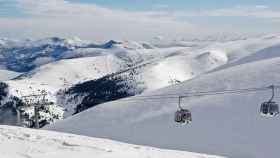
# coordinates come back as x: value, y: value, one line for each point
x: 258, y: 11
x: 62, y: 18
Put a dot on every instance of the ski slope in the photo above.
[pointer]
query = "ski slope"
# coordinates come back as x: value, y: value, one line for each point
x: 227, y: 125
x: 26, y: 143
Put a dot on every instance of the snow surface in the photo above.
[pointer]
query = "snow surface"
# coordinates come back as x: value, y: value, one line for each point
x: 26, y: 143
x: 65, y: 73
x: 227, y: 125
x: 7, y: 75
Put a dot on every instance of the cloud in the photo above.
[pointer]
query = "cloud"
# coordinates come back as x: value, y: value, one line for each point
x: 258, y: 11
x: 239, y: 11
x: 43, y: 18
x: 262, y: 7
x: 90, y: 21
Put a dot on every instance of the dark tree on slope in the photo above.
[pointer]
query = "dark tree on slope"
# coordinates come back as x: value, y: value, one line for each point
x: 3, y: 90
x: 102, y: 90
x: 11, y: 104
x: 8, y: 114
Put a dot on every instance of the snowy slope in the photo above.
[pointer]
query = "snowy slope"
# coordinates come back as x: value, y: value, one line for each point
x: 247, y: 50
x: 7, y: 75
x: 181, y: 67
x: 25, y: 143
x: 65, y: 73
x: 228, y: 125
x: 202, y: 57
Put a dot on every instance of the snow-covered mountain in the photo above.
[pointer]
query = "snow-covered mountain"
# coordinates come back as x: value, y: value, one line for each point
x: 121, y: 68
x: 21, y: 143
x: 54, y: 64
x: 170, y: 66
x: 229, y: 125
x: 54, y: 69
x: 78, y: 75
x: 23, y: 56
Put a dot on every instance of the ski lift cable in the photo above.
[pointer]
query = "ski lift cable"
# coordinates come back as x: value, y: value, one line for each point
x: 213, y: 92
x: 199, y: 94
x: 182, y: 96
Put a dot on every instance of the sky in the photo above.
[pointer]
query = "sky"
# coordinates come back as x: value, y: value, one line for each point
x: 137, y: 19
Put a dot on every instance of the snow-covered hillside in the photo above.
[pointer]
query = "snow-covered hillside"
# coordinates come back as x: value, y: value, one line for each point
x: 56, y: 64
x: 228, y: 125
x: 7, y: 75
x: 169, y: 66
x: 64, y: 73
x: 22, y: 143
x: 58, y: 70
x: 71, y: 75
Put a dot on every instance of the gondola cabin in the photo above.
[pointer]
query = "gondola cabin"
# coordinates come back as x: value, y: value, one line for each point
x: 269, y: 109
x: 183, y: 116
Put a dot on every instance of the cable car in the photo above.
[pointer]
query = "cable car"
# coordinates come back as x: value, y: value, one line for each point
x: 269, y: 108
x: 182, y: 116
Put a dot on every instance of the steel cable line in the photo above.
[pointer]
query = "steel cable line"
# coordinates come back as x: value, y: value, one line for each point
x: 213, y: 92
x: 198, y: 94
x: 184, y: 116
